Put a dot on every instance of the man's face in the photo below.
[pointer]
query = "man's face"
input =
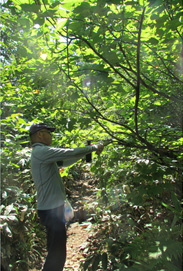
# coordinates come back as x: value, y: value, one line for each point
x: 45, y: 136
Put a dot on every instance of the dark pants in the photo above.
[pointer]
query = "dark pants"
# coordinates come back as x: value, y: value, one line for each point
x: 56, y: 238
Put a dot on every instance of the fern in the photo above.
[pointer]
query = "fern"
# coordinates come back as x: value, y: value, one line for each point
x: 173, y: 252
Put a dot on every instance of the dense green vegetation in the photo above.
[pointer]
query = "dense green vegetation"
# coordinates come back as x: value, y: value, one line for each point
x: 97, y: 70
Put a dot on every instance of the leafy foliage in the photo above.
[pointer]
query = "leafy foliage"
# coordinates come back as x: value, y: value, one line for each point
x: 19, y: 223
x: 97, y: 70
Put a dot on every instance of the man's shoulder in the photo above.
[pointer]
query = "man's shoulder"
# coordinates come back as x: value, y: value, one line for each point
x: 39, y: 149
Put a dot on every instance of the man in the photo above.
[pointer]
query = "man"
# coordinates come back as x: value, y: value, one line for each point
x: 50, y: 189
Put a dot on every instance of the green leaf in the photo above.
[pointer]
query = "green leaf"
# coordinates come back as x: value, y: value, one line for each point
x: 112, y: 57
x: 104, y: 261
x: 155, y: 16
x: 153, y: 41
x: 70, y: 4
x: 24, y: 22
x: 96, y: 261
x: 174, y: 24
x: 87, y: 263
x: 170, y: 208
x: 83, y: 9
x: 30, y: 7
x: 176, y: 202
x: 160, y: 31
x: 75, y: 26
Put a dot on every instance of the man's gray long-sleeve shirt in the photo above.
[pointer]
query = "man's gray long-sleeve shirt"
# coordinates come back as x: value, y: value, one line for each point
x: 45, y: 172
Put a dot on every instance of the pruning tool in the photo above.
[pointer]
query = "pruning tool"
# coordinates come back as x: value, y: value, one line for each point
x: 103, y: 142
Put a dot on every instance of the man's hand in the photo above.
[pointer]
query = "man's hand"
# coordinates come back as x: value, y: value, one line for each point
x: 100, y: 149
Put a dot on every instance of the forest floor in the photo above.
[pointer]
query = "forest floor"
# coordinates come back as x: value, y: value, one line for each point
x: 82, y: 194
x: 76, y: 244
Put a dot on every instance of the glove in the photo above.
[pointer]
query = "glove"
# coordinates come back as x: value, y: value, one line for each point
x: 99, y: 149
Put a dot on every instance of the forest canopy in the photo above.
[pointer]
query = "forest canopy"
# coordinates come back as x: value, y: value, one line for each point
x: 106, y: 71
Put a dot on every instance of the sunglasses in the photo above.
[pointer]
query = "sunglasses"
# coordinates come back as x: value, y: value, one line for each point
x: 46, y: 132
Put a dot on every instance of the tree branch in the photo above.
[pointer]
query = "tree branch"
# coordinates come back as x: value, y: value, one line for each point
x: 105, y: 60
x: 138, y: 73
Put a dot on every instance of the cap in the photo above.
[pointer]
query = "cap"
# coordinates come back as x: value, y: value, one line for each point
x: 39, y: 126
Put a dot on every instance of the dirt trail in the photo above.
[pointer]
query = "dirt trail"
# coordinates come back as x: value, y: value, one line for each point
x: 84, y: 193
x: 76, y: 243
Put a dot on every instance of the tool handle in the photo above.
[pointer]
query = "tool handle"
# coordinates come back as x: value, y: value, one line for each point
x: 89, y: 156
